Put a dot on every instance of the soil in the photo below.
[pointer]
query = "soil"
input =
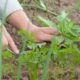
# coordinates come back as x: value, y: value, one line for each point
x: 57, y: 6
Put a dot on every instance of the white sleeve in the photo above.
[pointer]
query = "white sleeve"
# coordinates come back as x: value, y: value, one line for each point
x: 12, y: 5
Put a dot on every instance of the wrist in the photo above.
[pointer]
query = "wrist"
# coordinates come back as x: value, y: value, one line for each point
x: 31, y: 27
x: 21, y: 21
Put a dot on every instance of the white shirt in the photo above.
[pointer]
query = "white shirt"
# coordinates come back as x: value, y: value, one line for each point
x: 12, y: 5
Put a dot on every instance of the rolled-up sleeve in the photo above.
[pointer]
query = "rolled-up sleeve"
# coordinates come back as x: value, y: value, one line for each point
x: 11, y: 6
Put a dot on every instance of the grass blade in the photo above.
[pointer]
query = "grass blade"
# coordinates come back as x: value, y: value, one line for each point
x: 1, y: 25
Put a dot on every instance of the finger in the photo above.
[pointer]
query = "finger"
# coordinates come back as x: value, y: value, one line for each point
x: 48, y: 30
x: 44, y: 37
x: 11, y: 42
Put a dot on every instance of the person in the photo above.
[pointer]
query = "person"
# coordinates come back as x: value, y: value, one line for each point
x: 18, y: 18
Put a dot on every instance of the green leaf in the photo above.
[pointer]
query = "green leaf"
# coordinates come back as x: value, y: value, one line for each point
x: 60, y: 39
x: 62, y: 16
x: 45, y: 22
x: 27, y: 36
x: 43, y: 5
x: 7, y: 55
x: 40, y: 45
x: 8, y: 69
x: 21, y: 1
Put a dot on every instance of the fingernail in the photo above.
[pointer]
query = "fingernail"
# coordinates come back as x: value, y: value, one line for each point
x: 17, y: 51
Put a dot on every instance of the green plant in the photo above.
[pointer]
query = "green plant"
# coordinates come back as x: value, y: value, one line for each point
x: 64, y: 50
x: 28, y: 40
x: 64, y: 47
x: 34, y: 56
x: 8, y: 69
x: 41, y: 5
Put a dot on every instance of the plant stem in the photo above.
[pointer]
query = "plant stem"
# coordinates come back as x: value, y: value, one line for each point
x: 46, y: 65
x: 0, y: 54
x: 1, y: 26
x: 20, y: 63
x: 48, y: 11
x: 33, y: 71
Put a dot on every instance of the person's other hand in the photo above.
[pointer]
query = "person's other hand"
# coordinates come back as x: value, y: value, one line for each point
x: 8, y: 41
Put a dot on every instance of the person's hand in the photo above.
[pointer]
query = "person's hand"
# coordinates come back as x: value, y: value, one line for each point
x: 8, y: 41
x: 42, y: 33
x: 20, y: 20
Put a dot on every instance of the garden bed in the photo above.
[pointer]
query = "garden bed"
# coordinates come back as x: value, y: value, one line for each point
x: 56, y: 6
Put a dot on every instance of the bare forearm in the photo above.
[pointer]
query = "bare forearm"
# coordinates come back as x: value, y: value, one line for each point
x: 19, y: 19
